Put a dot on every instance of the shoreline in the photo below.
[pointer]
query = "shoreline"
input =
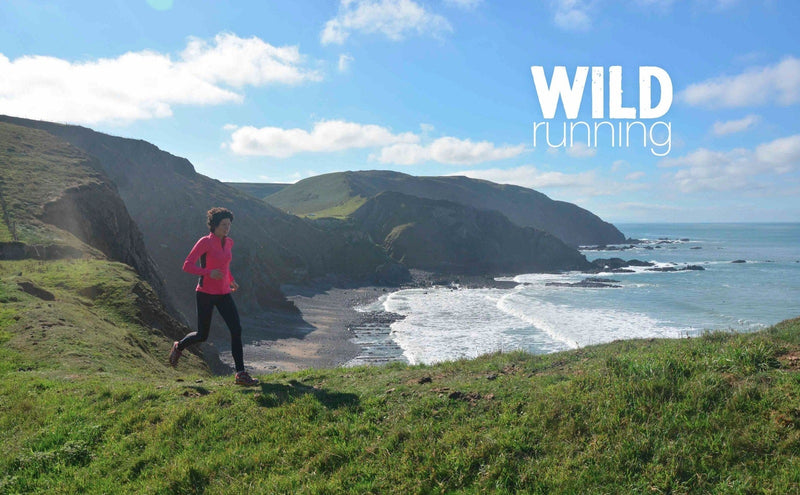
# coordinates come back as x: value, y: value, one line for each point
x: 328, y: 332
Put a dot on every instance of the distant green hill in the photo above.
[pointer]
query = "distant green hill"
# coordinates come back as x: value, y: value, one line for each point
x: 339, y: 194
x: 258, y: 190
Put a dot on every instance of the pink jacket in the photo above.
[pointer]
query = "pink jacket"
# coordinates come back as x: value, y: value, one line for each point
x: 214, y: 253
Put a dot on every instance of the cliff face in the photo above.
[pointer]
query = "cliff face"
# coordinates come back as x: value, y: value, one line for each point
x: 51, y: 190
x: 446, y: 237
x: 96, y: 215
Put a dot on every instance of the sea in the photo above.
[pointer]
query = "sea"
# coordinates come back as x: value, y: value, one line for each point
x: 750, y: 280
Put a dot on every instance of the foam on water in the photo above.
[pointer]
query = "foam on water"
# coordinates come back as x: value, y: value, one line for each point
x: 444, y: 324
x: 582, y: 326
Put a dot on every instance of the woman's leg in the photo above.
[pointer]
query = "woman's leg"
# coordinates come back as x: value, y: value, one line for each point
x: 205, y: 307
x: 227, y: 308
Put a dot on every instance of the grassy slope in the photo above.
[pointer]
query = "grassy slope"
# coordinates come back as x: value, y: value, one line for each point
x: 258, y: 190
x: 46, y: 166
x: 93, y: 407
x: 328, y: 195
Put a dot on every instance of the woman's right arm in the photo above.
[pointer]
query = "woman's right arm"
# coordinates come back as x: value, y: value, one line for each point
x: 190, y: 266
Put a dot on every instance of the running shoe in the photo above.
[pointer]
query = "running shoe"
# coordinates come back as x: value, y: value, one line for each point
x: 174, y: 355
x: 244, y: 378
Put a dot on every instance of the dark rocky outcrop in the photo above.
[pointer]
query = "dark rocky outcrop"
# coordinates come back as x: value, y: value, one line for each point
x: 616, y: 265
x: 23, y: 251
x: 591, y: 283
x: 446, y: 237
x: 676, y: 268
x: 96, y: 215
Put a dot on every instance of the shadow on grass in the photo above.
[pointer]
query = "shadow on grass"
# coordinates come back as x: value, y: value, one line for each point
x: 275, y: 394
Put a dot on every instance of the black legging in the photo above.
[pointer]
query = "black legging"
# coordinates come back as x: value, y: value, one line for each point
x: 226, y: 308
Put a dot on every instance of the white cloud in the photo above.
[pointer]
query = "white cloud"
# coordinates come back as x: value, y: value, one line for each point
x: 655, y: 3
x: 395, y: 19
x: 448, y: 150
x: 636, y: 206
x: 783, y: 153
x: 326, y: 136
x: 530, y: 176
x: 704, y: 170
x: 344, y: 62
x: 583, y: 183
x: 146, y: 84
x: 635, y: 176
x: 734, y: 126
x: 779, y: 83
x: 572, y: 15
x: 464, y: 4
x: 239, y: 62
x: 230, y: 127
x: 580, y: 150
x: 426, y: 128
x: 619, y: 165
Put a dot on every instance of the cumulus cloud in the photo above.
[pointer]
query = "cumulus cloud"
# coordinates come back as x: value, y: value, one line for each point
x: 580, y: 150
x: 447, y: 150
x: 619, y: 165
x: 146, y: 84
x: 635, y: 176
x: 587, y: 183
x: 734, y: 126
x: 326, y: 136
x: 395, y: 19
x: 572, y: 15
x: 709, y: 170
x: 337, y: 135
x: 530, y: 176
x: 344, y: 62
x: 778, y: 83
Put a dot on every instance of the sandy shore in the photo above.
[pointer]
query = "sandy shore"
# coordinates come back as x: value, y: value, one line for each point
x: 319, y: 337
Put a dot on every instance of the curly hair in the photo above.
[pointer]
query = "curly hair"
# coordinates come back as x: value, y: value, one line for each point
x: 215, y: 216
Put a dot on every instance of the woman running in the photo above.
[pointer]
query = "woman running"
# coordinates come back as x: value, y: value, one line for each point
x: 214, y: 289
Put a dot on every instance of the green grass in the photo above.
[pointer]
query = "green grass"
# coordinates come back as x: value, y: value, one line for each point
x: 92, y: 407
x: 46, y: 166
x: 316, y: 195
x: 341, y: 210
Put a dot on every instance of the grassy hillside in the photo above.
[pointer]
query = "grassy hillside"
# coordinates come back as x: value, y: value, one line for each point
x: 258, y: 190
x: 327, y: 195
x: 87, y: 404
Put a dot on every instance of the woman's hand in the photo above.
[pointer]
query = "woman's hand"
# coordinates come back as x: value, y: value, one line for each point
x: 216, y: 274
x: 234, y: 286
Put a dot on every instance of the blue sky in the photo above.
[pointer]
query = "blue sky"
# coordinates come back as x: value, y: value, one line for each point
x: 279, y: 91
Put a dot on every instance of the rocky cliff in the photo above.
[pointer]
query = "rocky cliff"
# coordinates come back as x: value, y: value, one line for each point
x: 447, y: 237
x: 59, y: 204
